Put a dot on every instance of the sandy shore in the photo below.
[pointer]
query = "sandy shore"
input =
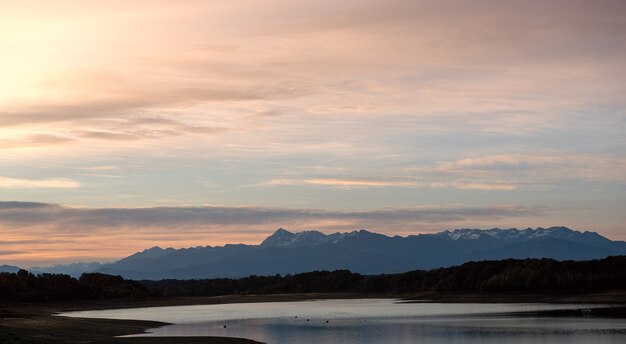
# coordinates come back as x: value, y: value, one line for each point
x: 36, y: 323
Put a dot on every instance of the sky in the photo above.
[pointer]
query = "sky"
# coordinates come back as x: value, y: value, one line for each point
x: 130, y: 124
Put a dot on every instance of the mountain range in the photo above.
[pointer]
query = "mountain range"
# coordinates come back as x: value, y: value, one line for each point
x: 9, y: 268
x: 361, y: 251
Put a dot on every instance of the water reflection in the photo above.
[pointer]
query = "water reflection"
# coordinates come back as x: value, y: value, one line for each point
x: 496, y: 329
x: 376, y: 321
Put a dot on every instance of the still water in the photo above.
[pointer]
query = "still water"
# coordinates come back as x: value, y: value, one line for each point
x: 366, y: 321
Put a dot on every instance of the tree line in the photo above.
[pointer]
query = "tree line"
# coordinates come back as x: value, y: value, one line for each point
x: 510, y: 275
x: 24, y: 286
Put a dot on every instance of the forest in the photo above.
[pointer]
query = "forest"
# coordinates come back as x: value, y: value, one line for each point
x: 24, y: 286
x: 510, y: 275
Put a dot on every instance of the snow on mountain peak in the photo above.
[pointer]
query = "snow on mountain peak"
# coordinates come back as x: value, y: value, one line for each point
x: 508, y: 234
x: 284, y: 238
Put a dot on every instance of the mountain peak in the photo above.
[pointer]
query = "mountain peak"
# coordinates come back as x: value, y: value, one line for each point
x: 283, y: 238
x: 9, y: 268
x: 282, y: 231
x: 511, y: 233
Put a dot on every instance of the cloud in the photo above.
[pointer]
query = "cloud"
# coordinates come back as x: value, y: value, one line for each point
x: 4, y: 205
x: 100, y: 168
x: 34, y: 141
x: 146, y: 127
x: 300, y: 51
x: 55, y: 183
x: 121, y: 128
x: 344, y: 183
x: 64, y: 218
x: 314, y: 63
x: 496, y: 172
x: 400, y: 183
x: 121, y: 107
x: 10, y: 253
x: 524, y: 169
x: 486, y: 186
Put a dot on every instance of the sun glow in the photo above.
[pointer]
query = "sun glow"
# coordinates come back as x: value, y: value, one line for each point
x: 30, y: 52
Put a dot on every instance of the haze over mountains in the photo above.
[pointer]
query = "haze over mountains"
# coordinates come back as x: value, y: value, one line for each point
x: 8, y: 268
x: 361, y: 251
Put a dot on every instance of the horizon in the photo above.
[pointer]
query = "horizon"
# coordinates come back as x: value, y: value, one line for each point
x: 126, y: 125
x: 299, y: 232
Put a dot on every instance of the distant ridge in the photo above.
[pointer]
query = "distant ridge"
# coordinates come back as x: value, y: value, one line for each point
x: 9, y: 268
x: 364, y: 252
x: 73, y: 269
x: 284, y: 238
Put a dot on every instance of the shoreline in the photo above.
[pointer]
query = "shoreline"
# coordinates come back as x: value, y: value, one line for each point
x: 38, y: 323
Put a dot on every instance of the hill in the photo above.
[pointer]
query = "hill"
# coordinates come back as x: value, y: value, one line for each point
x: 9, y: 268
x: 362, y: 252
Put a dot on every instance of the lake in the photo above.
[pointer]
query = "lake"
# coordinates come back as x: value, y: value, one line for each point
x: 376, y: 321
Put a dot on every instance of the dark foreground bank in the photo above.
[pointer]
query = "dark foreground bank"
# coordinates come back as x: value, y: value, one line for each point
x: 41, y: 328
x: 36, y: 323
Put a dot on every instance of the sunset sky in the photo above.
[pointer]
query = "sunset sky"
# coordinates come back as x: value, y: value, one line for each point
x: 130, y: 124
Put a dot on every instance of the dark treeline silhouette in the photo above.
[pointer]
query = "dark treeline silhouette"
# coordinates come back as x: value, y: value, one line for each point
x: 510, y: 275
x: 528, y: 275
x: 24, y: 286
